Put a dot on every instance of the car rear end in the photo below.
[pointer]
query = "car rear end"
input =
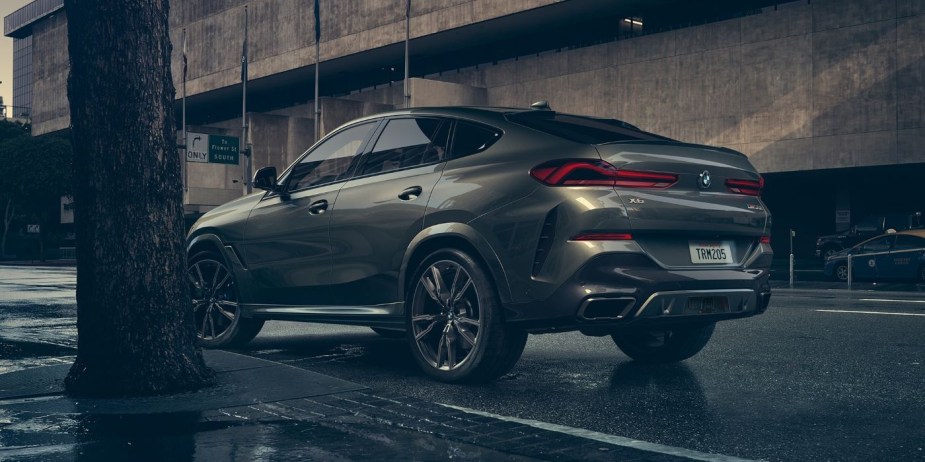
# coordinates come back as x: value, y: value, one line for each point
x: 646, y: 231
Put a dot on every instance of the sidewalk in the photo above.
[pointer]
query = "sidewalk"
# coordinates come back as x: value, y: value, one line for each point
x: 261, y: 410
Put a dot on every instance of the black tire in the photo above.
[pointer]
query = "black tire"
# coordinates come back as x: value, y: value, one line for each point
x: 840, y: 273
x: 452, y: 304
x: 388, y: 333
x: 664, y: 345
x: 214, y: 292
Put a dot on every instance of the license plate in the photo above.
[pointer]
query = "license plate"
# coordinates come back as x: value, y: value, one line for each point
x: 706, y: 252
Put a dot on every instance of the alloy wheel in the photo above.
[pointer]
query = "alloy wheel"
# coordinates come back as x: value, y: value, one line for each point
x: 841, y: 272
x: 215, y: 300
x: 446, y: 315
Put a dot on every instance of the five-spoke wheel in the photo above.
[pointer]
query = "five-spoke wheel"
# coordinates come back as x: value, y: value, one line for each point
x: 454, y: 321
x: 215, y: 303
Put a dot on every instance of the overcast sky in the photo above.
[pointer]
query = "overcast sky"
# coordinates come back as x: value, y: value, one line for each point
x: 6, y: 51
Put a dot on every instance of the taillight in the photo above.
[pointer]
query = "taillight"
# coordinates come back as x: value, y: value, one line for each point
x: 765, y: 239
x: 747, y: 187
x: 603, y: 237
x: 598, y: 173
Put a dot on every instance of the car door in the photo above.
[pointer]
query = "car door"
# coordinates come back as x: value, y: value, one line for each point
x: 287, y: 242
x: 904, y: 259
x: 382, y: 208
x: 869, y: 256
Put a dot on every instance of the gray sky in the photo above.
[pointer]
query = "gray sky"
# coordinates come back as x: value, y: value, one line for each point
x: 6, y: 51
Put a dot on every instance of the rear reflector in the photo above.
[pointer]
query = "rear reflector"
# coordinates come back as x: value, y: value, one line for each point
x: 747, y: 187
x: 598, y: 173
x: 765, y: 239
x: 603, y: 237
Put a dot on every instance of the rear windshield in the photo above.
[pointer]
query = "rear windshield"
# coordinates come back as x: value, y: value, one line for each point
x: 586, y: 130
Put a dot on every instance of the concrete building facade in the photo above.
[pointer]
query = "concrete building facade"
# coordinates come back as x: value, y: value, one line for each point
x: 826, y: 97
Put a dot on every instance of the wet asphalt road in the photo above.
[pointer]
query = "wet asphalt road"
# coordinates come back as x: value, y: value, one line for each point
x: 794, y: 384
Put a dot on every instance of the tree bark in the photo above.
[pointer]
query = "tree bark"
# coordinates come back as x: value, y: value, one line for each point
x: 134, y: 316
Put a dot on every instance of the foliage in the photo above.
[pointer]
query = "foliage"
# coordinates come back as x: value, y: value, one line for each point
x: 35, y: 173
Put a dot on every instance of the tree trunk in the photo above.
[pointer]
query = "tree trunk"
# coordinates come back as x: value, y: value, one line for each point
x: 134, y: 316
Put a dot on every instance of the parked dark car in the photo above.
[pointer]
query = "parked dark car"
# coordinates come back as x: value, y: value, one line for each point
x: 892, y: 256
x: 870, y: 226
x: 464, y: 229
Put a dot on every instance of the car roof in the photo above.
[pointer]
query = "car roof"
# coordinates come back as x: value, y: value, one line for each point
x: 909, y: 232
x: 913, y: 232
x: 485, y: 114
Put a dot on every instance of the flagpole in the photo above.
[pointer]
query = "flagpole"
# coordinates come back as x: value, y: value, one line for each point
x: 407, y: 57
x: 248, y: 162
x: 183, y: 131
x: 317, y: 71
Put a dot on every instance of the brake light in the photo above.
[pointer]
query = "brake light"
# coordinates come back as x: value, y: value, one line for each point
x: 603, y: 237
x: 598, y: 173
x: 765, y: 239
x: 747, y: 187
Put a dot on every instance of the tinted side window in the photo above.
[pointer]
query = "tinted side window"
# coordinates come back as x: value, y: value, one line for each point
x: 407, y: 143
x: 332, y: 160
x: 905, y: 242
x: 470, y: 138
x: 878, y: 245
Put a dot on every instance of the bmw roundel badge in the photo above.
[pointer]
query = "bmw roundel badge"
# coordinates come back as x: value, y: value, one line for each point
x: 705, y: 180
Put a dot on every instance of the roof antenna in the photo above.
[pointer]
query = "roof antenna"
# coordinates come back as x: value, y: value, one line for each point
x: 541, y: 105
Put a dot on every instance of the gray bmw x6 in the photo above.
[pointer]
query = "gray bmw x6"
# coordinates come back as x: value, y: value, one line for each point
x: 464, y: 229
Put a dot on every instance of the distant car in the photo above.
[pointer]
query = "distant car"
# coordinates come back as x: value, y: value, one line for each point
x: 868, y: 227
x: 464, y: 229
x: 892, y: 256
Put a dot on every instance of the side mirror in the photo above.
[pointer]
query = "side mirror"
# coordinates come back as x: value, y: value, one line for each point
x: 265, y: 178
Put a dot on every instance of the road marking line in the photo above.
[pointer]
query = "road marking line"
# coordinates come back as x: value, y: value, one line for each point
x: 605, y: 438
x: 890, y: 301
x: 871, y: 312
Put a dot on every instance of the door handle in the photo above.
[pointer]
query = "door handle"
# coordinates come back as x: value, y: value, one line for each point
x: 318, y: 207
x: 410, y: 194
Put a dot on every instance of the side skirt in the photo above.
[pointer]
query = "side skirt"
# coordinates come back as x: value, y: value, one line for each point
x: 390, y: 315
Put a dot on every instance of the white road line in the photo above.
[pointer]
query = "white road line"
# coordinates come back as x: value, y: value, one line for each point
x: 871, y: 312
x: 886, y: 300
x: 609, y: 439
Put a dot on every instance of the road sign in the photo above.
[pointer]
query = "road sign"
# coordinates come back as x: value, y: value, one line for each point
x: 213, y: 149
x: 197, y: 147
x: 223, y: 149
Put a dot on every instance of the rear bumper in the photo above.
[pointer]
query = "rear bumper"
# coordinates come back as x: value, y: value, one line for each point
x: 619, y: 290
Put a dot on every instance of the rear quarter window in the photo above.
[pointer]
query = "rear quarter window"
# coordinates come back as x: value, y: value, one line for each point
x: 470, y: 138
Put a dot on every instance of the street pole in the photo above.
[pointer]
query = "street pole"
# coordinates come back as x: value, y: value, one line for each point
x: 850, y: 278
x: 407, y: 56
x: 317, y: 103
x: 183, y: 151
x: 792, y: 235
x: 317, y: 70
x: 248, y: 161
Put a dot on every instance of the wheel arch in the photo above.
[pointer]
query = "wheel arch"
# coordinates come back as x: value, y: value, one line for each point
x: 459, y: 236
x: 204, y: 242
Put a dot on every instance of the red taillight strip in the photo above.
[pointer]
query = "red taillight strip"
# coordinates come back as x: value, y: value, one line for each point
x: 581, y: 172
x: 747, y: 187
x: 603, y: 237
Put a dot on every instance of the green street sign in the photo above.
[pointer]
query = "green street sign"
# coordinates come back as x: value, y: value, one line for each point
x: 223, y: 149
